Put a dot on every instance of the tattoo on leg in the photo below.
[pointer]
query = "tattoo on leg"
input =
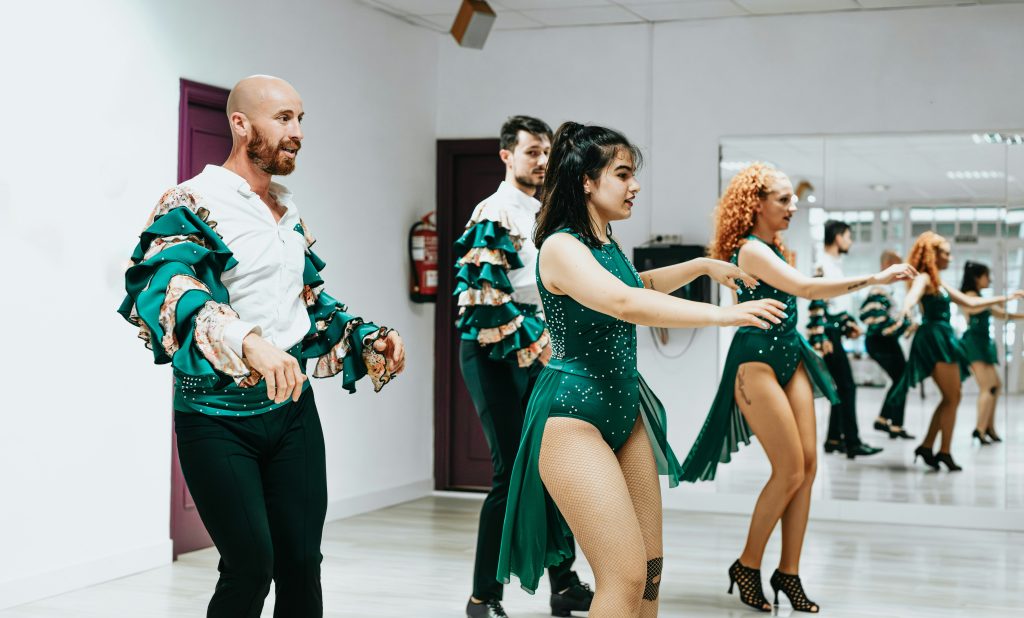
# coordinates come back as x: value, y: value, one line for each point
x: 743, y: 393
x: 653, y: 579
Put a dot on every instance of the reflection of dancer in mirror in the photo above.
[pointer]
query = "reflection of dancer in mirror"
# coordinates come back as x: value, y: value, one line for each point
x: 883, y: 345
x: 829, y: 323
x: 777, y: 369
x: 594, y: 437
x: 981, y: 349
x: 936, y: 352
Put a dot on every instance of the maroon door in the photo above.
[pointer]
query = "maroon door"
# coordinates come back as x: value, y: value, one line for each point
x: 467, y: 172
x: 203, y: 137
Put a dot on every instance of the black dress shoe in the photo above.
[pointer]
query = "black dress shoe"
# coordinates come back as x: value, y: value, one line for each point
x: 900, y: 433
x: 981, y: 437
x: 834, y: 446
x: 884, y: 428
x: 487, y: 609
x: 861, y: 450
x: 575, y: 598
x: 993, y: 436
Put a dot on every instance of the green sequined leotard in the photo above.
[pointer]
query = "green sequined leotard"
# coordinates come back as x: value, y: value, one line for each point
x: 783, y: 348
x: 977, y: 339
x: 592, y: 376
x: 934, y: 342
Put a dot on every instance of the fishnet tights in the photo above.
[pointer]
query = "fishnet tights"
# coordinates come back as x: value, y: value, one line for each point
x: 612, y: 503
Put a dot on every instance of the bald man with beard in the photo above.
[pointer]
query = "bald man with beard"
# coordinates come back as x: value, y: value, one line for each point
x: 224, y: 286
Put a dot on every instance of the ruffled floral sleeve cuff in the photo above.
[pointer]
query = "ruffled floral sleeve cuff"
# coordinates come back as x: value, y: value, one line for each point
x: 175, y: 296
x: 488, y: 250
x: 340, y: 342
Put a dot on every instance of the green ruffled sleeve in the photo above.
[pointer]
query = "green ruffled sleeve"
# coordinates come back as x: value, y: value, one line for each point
x: 816, y: 321
x: 875, y: 313
x: 843, y: 322
x: 175, y: 295
x: 487, y: 251
x: 339, y: 341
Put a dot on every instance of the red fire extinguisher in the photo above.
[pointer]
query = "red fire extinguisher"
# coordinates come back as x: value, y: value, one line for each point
x: 423, y: 257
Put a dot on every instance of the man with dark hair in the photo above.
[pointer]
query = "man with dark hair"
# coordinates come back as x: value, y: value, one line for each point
x: 505, y: 344
x: 829, y: 322
x: 224, y: 286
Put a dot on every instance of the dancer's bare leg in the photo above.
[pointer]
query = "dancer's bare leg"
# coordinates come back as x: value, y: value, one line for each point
x: 988, y: 395
x: 774, y: 424
x: 947, y: 378
x: 794, y: 519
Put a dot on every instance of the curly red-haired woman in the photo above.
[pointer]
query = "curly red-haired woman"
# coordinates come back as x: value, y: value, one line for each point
x: 770, y: 379
x: 936, y: 351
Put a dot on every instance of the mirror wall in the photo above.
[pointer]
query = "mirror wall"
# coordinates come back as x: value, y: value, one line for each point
x: 968, y: 187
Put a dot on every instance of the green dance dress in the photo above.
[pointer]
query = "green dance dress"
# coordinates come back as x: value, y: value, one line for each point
x: 783, y: 348
x: 934, y: 342
x: 592, y: 376
x: 977, y: 339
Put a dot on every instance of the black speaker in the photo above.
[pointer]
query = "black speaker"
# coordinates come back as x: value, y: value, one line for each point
x: 648, y: 257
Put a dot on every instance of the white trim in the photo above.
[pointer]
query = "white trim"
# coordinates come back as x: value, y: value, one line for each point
x: 364, y: 503
x: 464, y: 495
x: 946, y: 516
x: 932, y: 515
x: 51, y: 583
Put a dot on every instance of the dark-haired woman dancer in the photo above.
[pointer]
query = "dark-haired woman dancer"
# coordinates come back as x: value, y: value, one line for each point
x: 936, y: 352
x: 594, y: 437
x: 770, y: 380
x: 981, y: 349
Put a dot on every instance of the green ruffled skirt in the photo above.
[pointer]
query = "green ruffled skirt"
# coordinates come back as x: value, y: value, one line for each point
x: 934, y: 342
x: 979, y: 349
x: 535, y: 535
x: 725, y: 428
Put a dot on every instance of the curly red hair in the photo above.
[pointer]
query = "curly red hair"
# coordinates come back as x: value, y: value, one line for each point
x: 737, y: 210
x: 922, y: 256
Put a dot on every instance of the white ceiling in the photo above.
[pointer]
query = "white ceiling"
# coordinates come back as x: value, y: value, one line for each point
x: 912, y: 168
x: 524, y: 14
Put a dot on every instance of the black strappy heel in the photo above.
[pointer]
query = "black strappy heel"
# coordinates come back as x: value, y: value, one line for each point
x: 791, y: 586
x: 749, y: 581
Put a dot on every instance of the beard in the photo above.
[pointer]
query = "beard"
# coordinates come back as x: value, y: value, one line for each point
x: 528, y: 181
x: 270, y: 158
x: 843, y: 251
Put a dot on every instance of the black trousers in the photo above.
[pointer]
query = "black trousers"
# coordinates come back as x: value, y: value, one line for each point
x: 260, y: 485
x: 886, y: 351
x: 842, y: 422
x: 500, y: 392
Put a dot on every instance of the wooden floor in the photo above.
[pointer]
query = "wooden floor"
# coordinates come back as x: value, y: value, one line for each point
x: 416, y: 559
x: 993, y: 476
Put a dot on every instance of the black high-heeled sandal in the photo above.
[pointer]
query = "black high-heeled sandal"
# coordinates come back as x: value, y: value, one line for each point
x: 947, y: 459
x: 993, y: 436
x: 794, y: 589
x: 927, y: 455
x: 749, y: 581
x: 981, y: 437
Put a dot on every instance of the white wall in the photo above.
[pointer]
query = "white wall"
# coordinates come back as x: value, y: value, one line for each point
x: 597, y: 75
x: 914, y: 70
x: 91, y: 101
